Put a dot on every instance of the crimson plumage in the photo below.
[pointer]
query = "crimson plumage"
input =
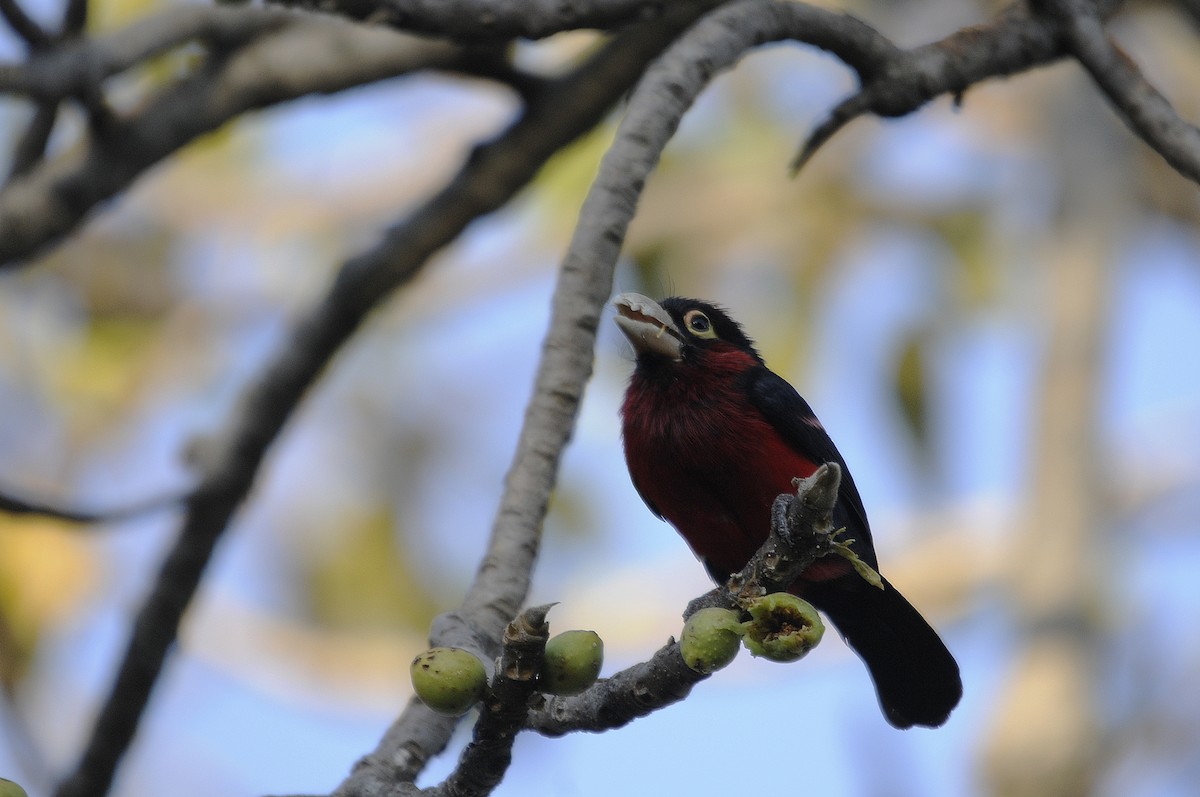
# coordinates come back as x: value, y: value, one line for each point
x: 712, y: 436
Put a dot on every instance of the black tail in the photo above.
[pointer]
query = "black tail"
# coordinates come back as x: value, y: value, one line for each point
x: 915, y: 676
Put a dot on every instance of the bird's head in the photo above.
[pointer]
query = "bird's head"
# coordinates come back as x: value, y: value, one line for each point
x: 681, y: 331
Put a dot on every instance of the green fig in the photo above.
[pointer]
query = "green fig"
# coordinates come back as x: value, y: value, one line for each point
x: 10, y: 788
x: 782, y: 627
x: 448, y: 680
x: 572, y: 663
x: 710, y: 639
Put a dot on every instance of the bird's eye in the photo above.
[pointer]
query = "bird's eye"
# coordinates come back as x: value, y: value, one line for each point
x: 698, y: 324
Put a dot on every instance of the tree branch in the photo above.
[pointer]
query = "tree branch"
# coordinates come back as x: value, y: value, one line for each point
x: 481, y: 21
x: 802, y: 531
x: 24, y: 25
x: 82, y: 64
x: 21, y: 506
x: 486, y: 759
x: 613, y: 702
x: 304, y: 56
x: 75, y: 17
x: 31, y: 146
x: 1145, y: 111
x: 1014, y: 41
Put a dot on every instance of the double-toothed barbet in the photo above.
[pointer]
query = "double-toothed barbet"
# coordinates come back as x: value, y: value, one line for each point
x: 712, y: 436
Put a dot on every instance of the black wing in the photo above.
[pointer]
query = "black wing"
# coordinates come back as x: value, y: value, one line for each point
x: 915, y: 676
x: 791, y: 416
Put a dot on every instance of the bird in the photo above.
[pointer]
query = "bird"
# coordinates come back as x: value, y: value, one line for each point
x: 711, y: 436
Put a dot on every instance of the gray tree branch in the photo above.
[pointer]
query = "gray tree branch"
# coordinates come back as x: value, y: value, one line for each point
x: 17, y: 505
x: 23, y: 25
x: 801, y: 532
x: 1143, y: 108
x: 80, y: 65
x: 303, y: 56
x: 482, y: 21
x: 1015, y: 40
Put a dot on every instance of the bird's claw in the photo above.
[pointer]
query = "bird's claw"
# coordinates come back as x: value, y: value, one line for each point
x: 782, y: 512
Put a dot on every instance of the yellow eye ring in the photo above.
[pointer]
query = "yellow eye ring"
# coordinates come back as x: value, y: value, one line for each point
x: 697, y: 324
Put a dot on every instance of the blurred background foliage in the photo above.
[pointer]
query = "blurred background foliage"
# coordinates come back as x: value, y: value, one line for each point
x: 909, y: 282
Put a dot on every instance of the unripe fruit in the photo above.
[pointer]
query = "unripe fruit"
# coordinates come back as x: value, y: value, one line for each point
x: 448, y: 680
x: 572, y: 663
x: 10, y: 788
x: 710, y: 639
x: 782, y: 627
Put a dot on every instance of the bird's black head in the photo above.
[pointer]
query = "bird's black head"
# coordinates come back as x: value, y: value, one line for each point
x: 679, y: 328
x: 706, y: 324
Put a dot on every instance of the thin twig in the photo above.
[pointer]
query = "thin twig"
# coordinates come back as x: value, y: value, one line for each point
x: 75, y: 17
x: 24, y: 25
x: 1013, y: 41
x: 22, y: 506
x: 843, y: 113
x: 31, y: 146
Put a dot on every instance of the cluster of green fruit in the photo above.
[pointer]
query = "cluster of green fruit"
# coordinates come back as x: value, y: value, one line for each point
x: 451, y: 680
x: 781, y: 627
